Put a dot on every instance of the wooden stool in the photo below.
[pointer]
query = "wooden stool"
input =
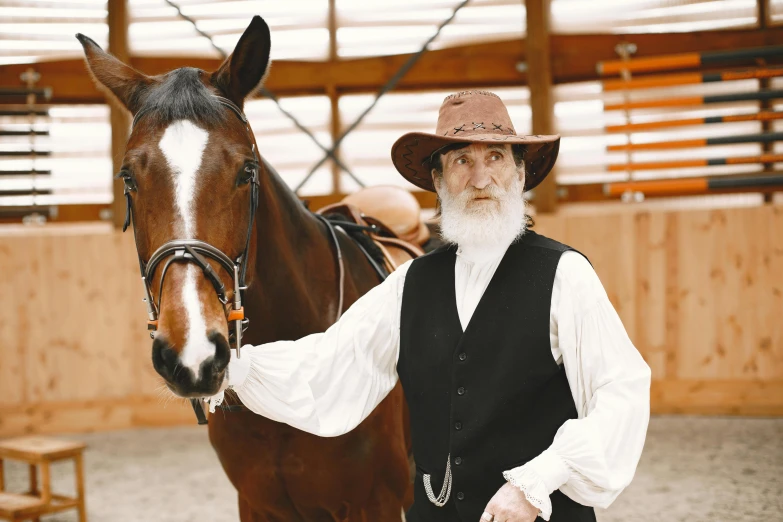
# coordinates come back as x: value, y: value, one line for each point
x: 40, y: 451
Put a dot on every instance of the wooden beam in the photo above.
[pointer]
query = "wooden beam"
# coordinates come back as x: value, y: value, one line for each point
x: 334, y: 98
x: 573, y: 59
x: 119, y: 117
x: 335, y: 129
x: 539, y: 79
x: 765, y: 84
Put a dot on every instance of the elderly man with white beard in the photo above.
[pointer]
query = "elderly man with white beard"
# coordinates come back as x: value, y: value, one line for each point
x: 527, y: 398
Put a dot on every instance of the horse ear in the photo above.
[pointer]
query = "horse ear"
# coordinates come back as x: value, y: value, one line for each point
x: 127, y: 84
x: 246, y: 69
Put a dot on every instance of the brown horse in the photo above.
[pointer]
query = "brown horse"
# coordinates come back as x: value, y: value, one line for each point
x: 194, y: 180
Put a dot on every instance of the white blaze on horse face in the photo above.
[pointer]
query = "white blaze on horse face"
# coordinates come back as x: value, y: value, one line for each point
x: 183, y: 145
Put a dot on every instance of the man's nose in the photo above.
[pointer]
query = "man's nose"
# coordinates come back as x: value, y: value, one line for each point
x: 479, y: 176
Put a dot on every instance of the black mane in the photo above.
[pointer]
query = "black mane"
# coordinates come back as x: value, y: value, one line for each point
x: 183, y: 96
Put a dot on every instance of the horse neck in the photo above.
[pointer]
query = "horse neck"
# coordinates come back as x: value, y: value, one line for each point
x: 292, y: 252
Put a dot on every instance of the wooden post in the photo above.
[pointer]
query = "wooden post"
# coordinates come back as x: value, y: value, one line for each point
x: 539, y: 79
x: 46, y: 482
x: 334, y: 97
x: 33, y: 479
x: 763, y: 13
x: 119, y: 117
x: 765, y: 105
x: 79, y: 468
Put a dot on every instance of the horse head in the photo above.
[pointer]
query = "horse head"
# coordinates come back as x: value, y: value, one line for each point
x: 191, y: 169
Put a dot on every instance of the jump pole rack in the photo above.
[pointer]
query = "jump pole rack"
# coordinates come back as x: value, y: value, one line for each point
x: 626, y: 66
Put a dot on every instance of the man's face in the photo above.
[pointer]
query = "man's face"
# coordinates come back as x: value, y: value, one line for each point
x: 479, y: 173
x: 481, y: 195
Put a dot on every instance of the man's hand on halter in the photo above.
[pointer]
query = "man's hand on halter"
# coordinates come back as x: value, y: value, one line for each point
x: 509, y: 505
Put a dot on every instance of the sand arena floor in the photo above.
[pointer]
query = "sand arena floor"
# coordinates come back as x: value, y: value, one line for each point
x: 693, y: 469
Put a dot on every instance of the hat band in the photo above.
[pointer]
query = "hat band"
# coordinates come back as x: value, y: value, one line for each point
x: 479, y: 127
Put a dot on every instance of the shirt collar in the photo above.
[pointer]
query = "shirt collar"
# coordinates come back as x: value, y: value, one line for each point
x: 482, y: 253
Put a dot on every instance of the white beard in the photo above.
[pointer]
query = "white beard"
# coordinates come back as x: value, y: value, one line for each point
x: 487, y: 225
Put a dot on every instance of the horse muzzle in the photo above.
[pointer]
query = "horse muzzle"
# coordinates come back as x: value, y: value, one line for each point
x: 188, y: 381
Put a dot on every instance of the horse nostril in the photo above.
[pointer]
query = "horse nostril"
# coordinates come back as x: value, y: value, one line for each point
x: 164, y: 358
x: 222, y: 351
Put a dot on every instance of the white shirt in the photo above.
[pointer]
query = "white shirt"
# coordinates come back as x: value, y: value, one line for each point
x: 328, y: 383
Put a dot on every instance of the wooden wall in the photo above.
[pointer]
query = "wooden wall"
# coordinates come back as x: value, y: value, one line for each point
x: 74, y: 351
x: 701, y: 296
x: 700, y: 293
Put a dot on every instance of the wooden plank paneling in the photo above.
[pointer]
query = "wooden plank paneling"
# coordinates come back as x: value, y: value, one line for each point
x: 717, y: 397
x: 705, y: 299
x: 95, y: 415
x: 650, y: 291
x: 729, y: 290
x: 78, y: 321
x: 699, y: 292
x: 14, y: 325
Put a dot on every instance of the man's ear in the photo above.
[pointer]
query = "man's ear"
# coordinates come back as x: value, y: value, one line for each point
x: 123, y: 82
x: 436, y: 180
x: 246, y: 69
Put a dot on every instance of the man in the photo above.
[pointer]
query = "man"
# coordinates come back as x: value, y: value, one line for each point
x: 527, y: 398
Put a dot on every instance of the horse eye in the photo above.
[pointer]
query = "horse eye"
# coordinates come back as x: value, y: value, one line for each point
x: 248, y: 173
x: 127, y: 177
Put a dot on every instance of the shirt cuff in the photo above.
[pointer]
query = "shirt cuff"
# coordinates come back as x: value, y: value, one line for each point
x: 238, y: 368
x: 538, y: 479
x: 237, y: 374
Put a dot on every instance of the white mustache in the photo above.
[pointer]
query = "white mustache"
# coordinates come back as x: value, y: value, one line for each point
x: 492, y: 192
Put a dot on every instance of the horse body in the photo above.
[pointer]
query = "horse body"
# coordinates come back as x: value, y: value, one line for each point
x: 282, y: 473
x: 214, y: 216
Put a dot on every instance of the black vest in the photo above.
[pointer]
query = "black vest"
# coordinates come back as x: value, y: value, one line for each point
x: 492, y: 397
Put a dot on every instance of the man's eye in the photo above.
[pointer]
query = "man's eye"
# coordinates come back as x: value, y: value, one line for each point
x: 461, y: 161
x: 495, y: 157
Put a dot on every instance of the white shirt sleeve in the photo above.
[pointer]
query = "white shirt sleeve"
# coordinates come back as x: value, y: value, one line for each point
x: 327, y: 383
x: 594, y: 457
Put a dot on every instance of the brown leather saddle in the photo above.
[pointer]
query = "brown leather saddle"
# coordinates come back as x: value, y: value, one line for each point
x: 397, y: 208
x: 395, y: 250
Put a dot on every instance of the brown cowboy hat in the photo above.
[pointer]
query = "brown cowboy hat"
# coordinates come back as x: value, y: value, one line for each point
x: 465, y: 117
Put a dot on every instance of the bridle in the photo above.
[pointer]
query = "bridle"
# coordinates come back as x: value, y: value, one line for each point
x: 196, y: 251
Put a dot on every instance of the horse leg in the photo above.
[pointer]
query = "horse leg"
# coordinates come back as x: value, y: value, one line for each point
x: 246, y: 513
x: 384, y: 506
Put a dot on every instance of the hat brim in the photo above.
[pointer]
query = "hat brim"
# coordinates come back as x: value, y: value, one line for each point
x: 411, y: 154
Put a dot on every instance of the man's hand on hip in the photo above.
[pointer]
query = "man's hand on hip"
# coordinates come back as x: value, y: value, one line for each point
x: 509, y: 505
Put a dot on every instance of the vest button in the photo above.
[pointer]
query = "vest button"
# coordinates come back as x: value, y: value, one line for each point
x: 463, y: 356
x: 460, y: 496
x: 458, y: 461
x: 458, y: 425
x: 460, y: 391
